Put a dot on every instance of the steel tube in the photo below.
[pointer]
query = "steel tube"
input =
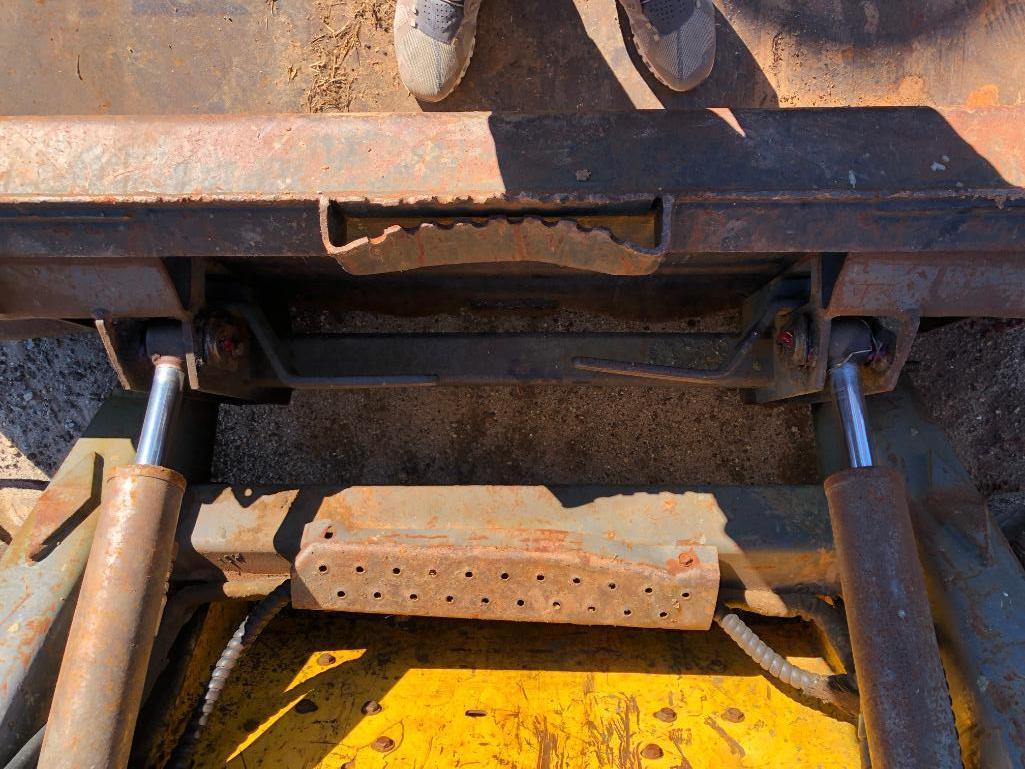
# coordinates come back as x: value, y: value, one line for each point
x: 904, y: 695
x: 99, y: 689
x: 164, y: 399
x: 845, y: 381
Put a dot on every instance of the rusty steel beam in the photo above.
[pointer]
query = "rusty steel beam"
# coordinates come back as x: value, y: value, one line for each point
x: 835, y: 180
x: 768, y: 539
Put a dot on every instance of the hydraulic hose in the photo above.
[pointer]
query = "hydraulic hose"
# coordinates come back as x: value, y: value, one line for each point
x: 816, y: 685
x: 246, y: 634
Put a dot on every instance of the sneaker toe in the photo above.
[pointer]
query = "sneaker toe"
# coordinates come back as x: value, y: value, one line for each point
x: 430, y: 69
x: 682, y: 58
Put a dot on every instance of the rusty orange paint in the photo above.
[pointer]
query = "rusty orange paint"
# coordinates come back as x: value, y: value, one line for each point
x: 984, y: 96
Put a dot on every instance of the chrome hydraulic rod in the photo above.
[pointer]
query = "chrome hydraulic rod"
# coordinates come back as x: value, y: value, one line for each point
x: 845, y: 382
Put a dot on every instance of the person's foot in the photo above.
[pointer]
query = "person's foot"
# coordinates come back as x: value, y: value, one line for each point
x: 676, y: 39
x: 433, y: 44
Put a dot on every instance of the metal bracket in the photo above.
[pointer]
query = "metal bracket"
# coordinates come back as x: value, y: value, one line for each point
x: 528, y: 584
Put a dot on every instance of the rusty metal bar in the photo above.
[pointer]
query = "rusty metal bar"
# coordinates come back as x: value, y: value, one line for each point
x: 100, y: 685
x: 837, y: 180
x: 904, y: 695
x: 768, y: 538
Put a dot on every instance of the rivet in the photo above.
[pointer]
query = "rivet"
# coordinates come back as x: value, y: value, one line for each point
x: 651, y: 750
x: 733, y: 715
x: 370, y: 707
x: 383, y: 744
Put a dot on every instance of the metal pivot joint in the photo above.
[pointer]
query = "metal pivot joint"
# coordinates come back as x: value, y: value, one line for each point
x: 904, y: 695
x: 100, y: 685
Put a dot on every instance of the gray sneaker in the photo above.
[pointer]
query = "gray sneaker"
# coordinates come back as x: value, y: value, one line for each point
x: 433, y: 44
x: 676, y: 39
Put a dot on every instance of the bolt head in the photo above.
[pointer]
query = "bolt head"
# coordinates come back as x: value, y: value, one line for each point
x: 371, y: 707
x: 651, y: 750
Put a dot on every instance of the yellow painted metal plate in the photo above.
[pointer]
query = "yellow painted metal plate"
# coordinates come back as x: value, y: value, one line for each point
x: 456, y: 693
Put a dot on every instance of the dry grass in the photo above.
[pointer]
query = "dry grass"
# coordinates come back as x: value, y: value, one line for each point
x: 335, y: 51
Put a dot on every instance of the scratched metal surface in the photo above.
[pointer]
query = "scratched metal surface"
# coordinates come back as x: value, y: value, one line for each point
x: 372, y: 692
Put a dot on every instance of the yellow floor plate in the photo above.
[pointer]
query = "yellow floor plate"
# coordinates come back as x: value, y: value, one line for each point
x: 456, y: 693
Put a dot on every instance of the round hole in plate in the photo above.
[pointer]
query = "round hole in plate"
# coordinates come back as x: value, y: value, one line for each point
x: 360, y: 570
x: 540, y: 577
x: 432, y: 573
x: 322, y: 568
x: 449, y: 598
x: 648, y: 590
x: 396, y: 570
x: 556, y: 605
x: 684, y: 595
x: 485, y: 599
x: 504, y: 575
x: 341, y: 594
x: 627, y: 612
x: 468, y: 574
x: 663, y: 614
x: 576, y: 580
x: 591, y: 608
x: 328, y: 534
x: 520, y: 602
x: 413, y: 596
x: 612, y: 586
x: 377, y: 596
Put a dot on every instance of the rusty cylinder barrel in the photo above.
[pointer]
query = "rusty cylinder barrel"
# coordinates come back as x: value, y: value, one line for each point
x: 904, y: 695
x: 99, y: 689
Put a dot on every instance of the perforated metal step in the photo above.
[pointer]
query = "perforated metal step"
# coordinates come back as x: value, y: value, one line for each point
x: 545, y: 582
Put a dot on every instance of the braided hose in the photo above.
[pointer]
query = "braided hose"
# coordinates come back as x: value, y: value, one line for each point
x: 821, y: 687
x: 771, y: 662
x: 246, y: 634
